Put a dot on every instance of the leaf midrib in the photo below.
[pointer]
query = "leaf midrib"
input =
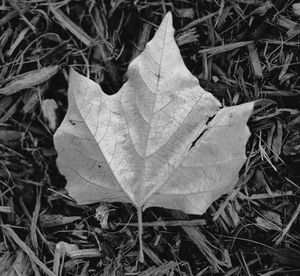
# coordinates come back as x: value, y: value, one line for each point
x: 152, y: 115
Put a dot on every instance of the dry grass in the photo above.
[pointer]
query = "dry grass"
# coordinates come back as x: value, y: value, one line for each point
x: 240, y: 50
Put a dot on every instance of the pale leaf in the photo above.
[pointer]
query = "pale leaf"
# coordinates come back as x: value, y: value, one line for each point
x: 151, y: 143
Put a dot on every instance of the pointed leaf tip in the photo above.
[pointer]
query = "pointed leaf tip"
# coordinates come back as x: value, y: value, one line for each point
x: 165, y: 31
x: 168, y: 20
x: 168, y: 16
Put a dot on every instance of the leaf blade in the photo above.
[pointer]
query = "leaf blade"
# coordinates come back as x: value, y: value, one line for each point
x: 135, y: 146
x: 79, y: 158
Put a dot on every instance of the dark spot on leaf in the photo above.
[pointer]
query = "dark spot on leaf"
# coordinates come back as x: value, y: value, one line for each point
x: 72, y: 122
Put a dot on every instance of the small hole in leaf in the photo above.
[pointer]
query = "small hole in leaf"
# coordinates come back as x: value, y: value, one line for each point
x: 72, y: 122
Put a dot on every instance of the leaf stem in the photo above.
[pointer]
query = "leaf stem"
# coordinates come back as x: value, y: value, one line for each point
x: 140, y: 230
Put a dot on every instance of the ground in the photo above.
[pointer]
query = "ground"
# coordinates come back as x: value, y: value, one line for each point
x: 240, y: 50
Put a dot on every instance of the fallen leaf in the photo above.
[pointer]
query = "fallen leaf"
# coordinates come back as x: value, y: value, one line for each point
x: 152, y: 143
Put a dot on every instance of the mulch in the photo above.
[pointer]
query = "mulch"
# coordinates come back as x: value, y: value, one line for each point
x: 240, y: 50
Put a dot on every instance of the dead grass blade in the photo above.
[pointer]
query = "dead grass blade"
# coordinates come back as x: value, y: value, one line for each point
x: 288, y: 227
x: 9, y: 16
x: 29, y: 79
x: 171, y: 223
x: 224, y: 48
x: 197, y: 22
x: 35, y: 217
x: 10, y: 111
x: 5, y: 209
x: 67, y: 23
x: 255, y: 62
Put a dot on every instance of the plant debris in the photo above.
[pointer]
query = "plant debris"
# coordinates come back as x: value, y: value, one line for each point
x: 240, y: 51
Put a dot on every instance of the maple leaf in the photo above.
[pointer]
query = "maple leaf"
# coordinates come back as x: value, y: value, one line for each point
x: 151, y: 143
